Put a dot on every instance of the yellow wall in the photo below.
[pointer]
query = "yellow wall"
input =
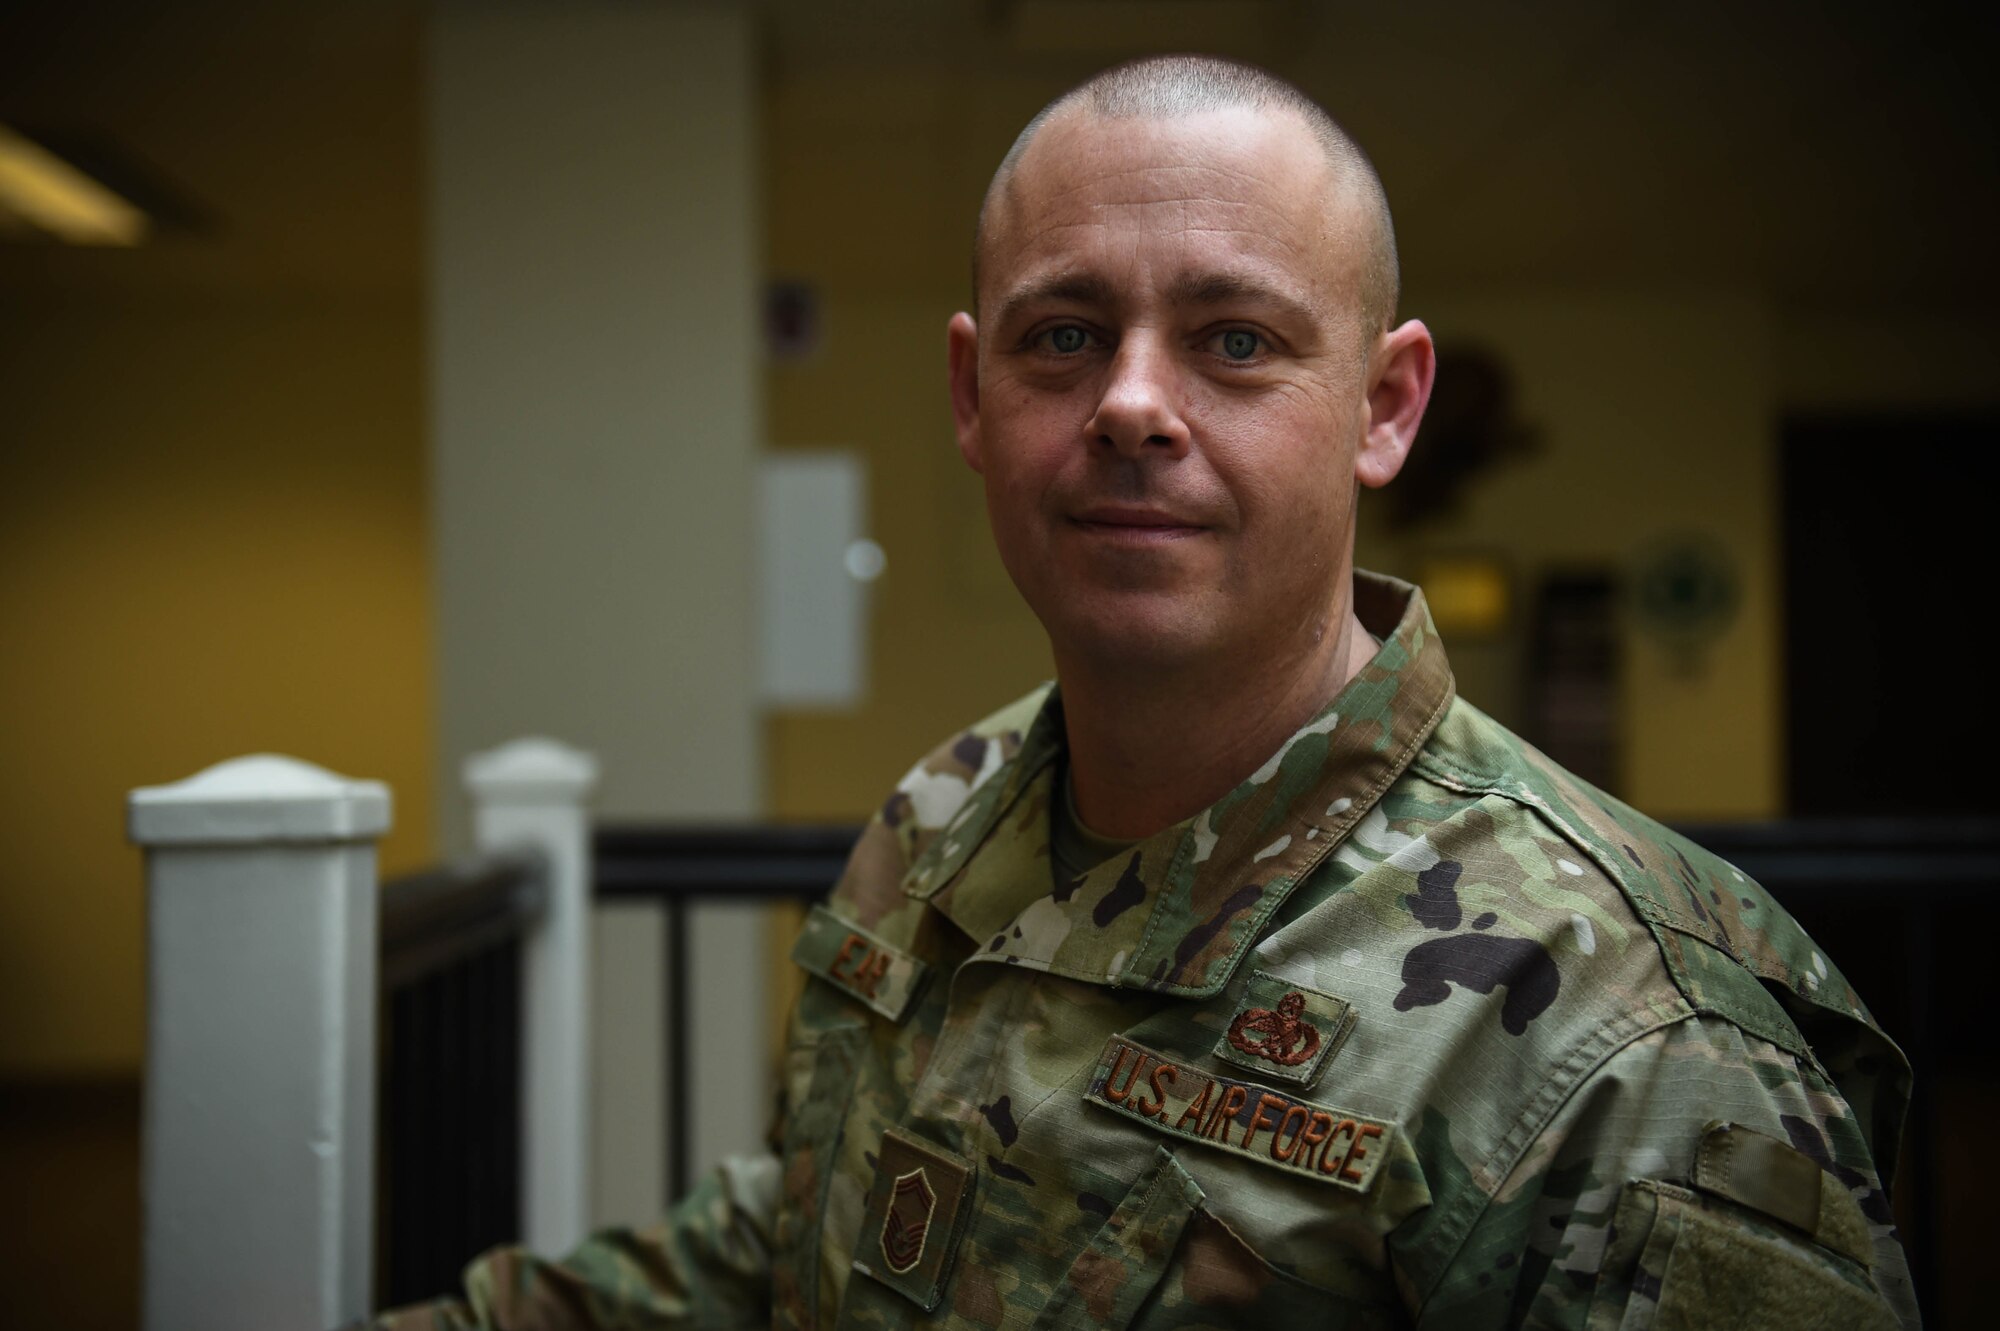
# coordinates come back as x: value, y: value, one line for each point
x: 211, y: 543
x: 1655, y: 416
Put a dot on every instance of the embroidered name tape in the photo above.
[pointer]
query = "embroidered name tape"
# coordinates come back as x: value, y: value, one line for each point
x: 1256, y: 1122
x: 1285, y: 1030
x: 880, y: 974
x: 910, y: 1228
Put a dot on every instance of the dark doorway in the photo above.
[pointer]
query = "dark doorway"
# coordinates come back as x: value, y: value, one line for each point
x: 1889, y: 530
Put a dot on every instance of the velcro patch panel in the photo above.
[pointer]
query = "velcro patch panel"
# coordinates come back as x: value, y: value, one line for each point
x: 847, y: 956
x: 1268, y: 1126
x: 910, y: 1229
x: 1756, y: 1170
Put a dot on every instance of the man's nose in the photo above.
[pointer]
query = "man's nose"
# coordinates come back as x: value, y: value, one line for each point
x: 1140, y: 411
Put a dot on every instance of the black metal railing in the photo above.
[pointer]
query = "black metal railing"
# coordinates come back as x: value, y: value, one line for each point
x: 449, y: 1110
x: 679, y: 867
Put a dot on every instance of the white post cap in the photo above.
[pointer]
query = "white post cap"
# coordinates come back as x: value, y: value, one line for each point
x: 263, y: 797
x: 534, y: 770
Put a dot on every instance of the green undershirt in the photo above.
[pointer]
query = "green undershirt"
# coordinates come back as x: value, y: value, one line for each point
x: 1074, y: 850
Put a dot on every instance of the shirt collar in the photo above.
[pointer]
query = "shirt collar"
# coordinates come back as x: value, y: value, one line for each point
x: 1177, y: 911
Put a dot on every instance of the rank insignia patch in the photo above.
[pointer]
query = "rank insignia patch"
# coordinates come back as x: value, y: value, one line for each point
x: 880, y: 974
x: 908, y: 1224
x: 1285, y: 1030
x: 910, y: 1227
x: 1259, y: 1123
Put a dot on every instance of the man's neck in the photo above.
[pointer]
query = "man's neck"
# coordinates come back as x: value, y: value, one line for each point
x: 1147, y: 752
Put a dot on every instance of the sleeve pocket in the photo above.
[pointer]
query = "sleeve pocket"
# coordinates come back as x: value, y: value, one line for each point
x: 1678, y: 1261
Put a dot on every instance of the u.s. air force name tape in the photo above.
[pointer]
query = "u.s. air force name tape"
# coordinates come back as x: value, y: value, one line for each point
x: 880, y: 974
x: 1256, y: 1122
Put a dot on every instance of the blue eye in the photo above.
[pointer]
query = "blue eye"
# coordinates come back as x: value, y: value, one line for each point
x: 1067, y: 340
x: 1240, y: 344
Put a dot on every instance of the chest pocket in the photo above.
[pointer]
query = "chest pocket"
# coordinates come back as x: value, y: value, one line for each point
x: 1164, y: 1261
x: 1125, y: 1260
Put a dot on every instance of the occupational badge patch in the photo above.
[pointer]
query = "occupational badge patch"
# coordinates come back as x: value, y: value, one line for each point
x: 1285, y: 1029
x: 1257, y: 1123
x: 880, y: 974
x: 910, y: 1228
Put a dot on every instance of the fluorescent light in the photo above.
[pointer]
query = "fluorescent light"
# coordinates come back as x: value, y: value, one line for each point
x: 43, y: 189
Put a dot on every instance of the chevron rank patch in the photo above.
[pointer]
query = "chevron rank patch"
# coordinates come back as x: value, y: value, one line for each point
x: 1285, y: 1030
x: 910, y: 1229
x: 880, y: 974
x: 1270, y: 1127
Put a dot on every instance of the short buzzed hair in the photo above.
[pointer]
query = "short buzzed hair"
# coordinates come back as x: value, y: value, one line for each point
x: 1164, y: 86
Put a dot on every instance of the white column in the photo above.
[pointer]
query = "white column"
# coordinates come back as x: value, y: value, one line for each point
x: 260, y: 1044
x: 592, y: 301
x: 593, y: 281
x: 533, y: 793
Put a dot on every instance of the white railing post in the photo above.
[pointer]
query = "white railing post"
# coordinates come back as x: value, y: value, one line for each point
x: 533, y: 793
x: 260, y: 1044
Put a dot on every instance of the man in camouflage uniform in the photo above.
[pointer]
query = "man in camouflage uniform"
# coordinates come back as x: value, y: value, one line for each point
x: 1249, y: 977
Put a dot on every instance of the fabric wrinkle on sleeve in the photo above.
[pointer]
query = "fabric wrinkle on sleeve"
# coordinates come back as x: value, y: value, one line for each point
x: 706, y: 1264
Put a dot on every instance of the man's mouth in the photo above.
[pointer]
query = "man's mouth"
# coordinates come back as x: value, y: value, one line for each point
x: 1137, y: 522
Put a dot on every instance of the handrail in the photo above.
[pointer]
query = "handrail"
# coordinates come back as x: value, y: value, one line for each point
x: 437, y: 917
x: 740, y: 863
x: 1836, y: 856
x: 795, y: 863
x: 678, y: 866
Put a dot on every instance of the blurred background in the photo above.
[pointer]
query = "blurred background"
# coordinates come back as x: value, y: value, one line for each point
x: 383, y: 380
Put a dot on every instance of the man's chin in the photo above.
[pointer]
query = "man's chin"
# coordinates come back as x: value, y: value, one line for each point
x: 1138, y: 633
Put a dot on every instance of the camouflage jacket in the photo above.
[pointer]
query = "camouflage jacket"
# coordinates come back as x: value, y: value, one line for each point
x: 1411, y: 1028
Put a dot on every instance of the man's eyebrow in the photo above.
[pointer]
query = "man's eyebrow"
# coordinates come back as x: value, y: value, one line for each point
x: 1203, y: 289
x: 1188, y: 289
x: 1076, y: 288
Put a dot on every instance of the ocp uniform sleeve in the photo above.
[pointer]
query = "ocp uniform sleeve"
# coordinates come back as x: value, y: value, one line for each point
x: 1700, y: 1177
x: 705, y: 1265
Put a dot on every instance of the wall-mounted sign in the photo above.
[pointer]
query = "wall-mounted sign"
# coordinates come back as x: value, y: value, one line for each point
x: 1685, y: 593
x: 816, y: 562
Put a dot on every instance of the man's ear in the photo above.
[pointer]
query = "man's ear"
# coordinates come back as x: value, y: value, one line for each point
x: 961, y: 338
x: 1399, y: 386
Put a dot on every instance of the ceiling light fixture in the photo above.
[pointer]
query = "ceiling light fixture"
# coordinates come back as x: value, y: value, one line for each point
x: 40, y: 188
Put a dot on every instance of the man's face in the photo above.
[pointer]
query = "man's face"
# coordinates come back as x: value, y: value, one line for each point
x: 1170, y: 386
